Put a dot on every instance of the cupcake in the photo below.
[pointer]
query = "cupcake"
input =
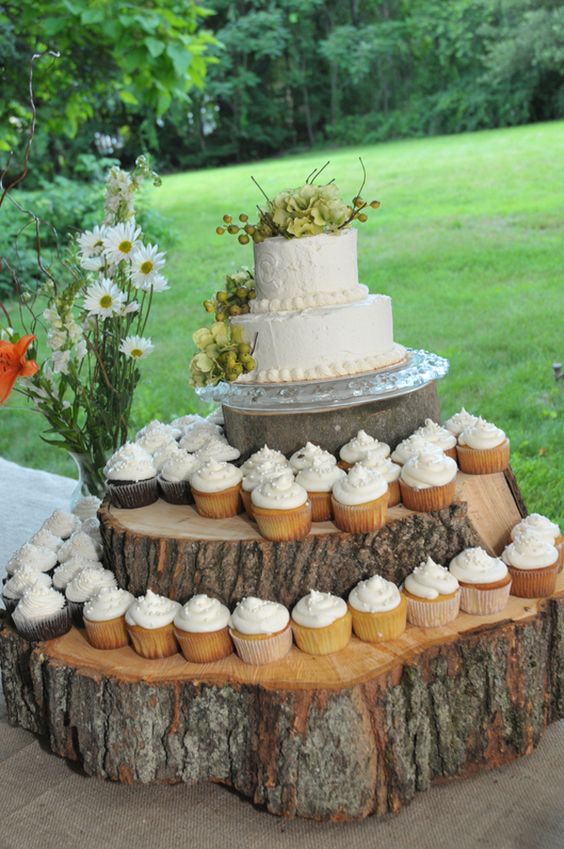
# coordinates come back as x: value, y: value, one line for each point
x: 45, y: 539
x: 87, y: 507
x: 460, y: 421
x: 85, y: 584
x: 104, y: 618
x: 543, y: 528
x: 23, y: 578
x: 318, y: 480
x: 42, y: 613
x: 217, y: 448
x: 389, y: 470
x: 156, y: 434
x: 484, y: 581
x: 201, y: 629
x: 355, y: 450
x: 533, y: 565
x: 80, y: 545
x: 482, y: 449
x: 131, y: 477
x: 409, y: 448
x: 433, y: 595
x: 197, y: 435
x: 304, y: 457
x: 64, y: 574
x: 149, y: 624
x: 265, y: 456
x: 182, y: 422
x: 168, y: 451
x: 438, y: 436
x: 38, y: 557
x: 260, y: 631
x: 216, y: 417
x: 61, y: 524
x: 174, y: 479
x: 427, y: 481
x: 255, y: 477
x: 379, y: 610
x: 216, y: 488
x: 281, y: 508
x: 360, y: 501
x: 321, y: 623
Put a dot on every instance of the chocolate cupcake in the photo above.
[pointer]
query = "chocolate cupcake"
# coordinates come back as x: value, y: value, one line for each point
x: 65, y: 572
x: 86, y: 583
x: 37, y: 556
x: 131, y: 477
x: 174, y: 479
x: 41, y: 614
x: 23, y: 578
x: 80, y: 545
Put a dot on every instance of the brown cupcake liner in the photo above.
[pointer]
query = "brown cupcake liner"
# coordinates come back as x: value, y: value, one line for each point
x: 219, y: 505
x: 394, y: 493
x: 107, y: 634
x: 247, y: 503
x: 361, y: 518
x: 175, y: 492
x: 431, y: 613
x: 263, y: 650
x: 534, y: 583
x: 128, y: 495
x: 480, y: 601
x: 475, y: 461
x: 321, y: 508
x: 384, y: 625
x: 427, y: 500
x: 206, y: 647
x: 327, y: 640
x: 153, y: 643
x: 10, y: 603
x: 46, y: 629
x: 284, y: 525
x: 76, y: 608
x: 342, y: 464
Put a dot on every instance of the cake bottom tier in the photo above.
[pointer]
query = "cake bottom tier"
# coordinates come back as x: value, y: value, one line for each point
x: 321, y: 343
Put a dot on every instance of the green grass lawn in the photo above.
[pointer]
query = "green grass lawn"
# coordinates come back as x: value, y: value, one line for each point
x: 469, y: 243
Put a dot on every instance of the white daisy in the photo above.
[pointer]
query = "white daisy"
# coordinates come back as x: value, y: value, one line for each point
x: 121, y: 241
x: 136, y: 347
x: 145, y: 265
x: 103, y: 298
x: 129, y: 309
x: 91, y: 263
x: 157, y: 284
x: 91, y: 242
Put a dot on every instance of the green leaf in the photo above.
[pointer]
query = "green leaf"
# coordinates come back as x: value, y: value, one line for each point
x: 128, y: 97
x: 154, y: 46
x: 180, y: 56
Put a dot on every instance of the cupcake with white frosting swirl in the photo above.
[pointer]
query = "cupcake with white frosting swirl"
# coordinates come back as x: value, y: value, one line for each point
x: 304, y: 457
x: 42, y: 613
x: 321, y: 623
x: 360, y: 500
x: 260, y: 630
x: 182, y: 422
x: 433, y: 595
x: 379, y: 610
x: 23, y: 578
x: 427, y: 480
x: 63, y: 574
x: 165, y: 452
x: 61, y: 524
x: 37, y: 556
x: 216, y: 488
x: 149, y: 625
x: 389, y: 470
x: 484, y: 581
x: 197, y: 435
x: 79, y: 545
x: 46, y: 539
x: 356, y: 449
x: 174, y: 479
x: 156, y: 434
x: 131, y: 477
x: 87, y: 507
x: 545, y: 529
x: 104, y: 618
x: 257, y: 475
x: 533, y: 565
x: 217, y: 449
x: 409, y: 448
x: 482, y: 449
x: 201, y: 629
x: 265, y: 456
x: 460, y: 421
x: 438, y: 436
x: 281, y: 508
x: 86, y: 583
x: 318, y: 480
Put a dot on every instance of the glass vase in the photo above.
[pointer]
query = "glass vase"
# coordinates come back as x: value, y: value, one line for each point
x: 91, y: 479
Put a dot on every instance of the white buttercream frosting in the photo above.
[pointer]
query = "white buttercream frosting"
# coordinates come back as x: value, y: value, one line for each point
x: 63, y: 574
x: 87, y: 507
x: 264, y: 456
x: 197, y: 435
x: 131, y: 462
x: 201, y: 615
x: 538, y: 525
x: 92, y: 528
x: 45, y: 539
x: 180, y: 467
x: 475, y: 566
x: 359, y: 486
x: 38, y: 557
x: 309, y: 300
x: 215, y: 476
x: 317, y: 609
x: 263, y: 473
x: 156, y: 434
x: 460, y: 421
x: 375, y: 595
x: 482, y: 435
x: 320, y: 476
x: 409, y: 447
x: 38, y: 602
x: 255, y: 616
x: 23, y: 578
x: 87, y: 582
x: 304, y: 457
x: 528, y: 551
x: 428, y: 468
x: 151, y: 611
x: 61, y: 524
x: 279, y: 493
x: 383, y: 465
x: 217, y: 449
x: 107, y: 603
x: 429, y: 580
x: 182, y: 422
x: 166, y: 452
x: 79, y: 545
x: 435, y: 433
x: 360, y: 445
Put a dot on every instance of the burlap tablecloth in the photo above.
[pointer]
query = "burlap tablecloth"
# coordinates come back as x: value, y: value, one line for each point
x: 48, y: 804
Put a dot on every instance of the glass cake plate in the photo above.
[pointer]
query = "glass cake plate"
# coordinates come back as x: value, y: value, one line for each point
x: 417, y: 370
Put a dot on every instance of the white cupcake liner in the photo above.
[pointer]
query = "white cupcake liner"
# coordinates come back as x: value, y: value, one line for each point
x: 260, y: 652
x: 432, y: 614
x: 481, y: 602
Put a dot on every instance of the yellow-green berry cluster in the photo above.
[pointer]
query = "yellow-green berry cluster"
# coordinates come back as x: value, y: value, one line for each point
x: 234, y: 299
x: 222, y: 355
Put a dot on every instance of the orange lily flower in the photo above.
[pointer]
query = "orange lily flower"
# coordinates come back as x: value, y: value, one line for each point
x: 13, y: 364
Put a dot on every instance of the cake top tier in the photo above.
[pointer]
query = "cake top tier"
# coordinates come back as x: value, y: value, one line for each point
x: 314, y: 271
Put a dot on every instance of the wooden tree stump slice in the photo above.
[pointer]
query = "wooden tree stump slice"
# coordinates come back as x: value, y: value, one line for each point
x: 337, y: 737
x: 174, y: 551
